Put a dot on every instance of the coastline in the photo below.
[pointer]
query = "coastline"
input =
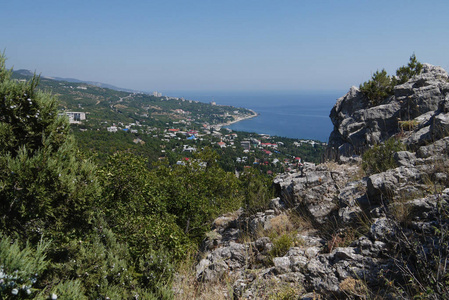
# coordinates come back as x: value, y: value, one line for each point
x: 292, y: 114
x: 237, y: 119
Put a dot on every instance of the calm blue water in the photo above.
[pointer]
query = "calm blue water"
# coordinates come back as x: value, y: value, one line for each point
x: 290, y: 114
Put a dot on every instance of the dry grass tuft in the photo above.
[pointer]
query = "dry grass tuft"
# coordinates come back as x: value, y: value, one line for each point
x: 226, y: 219
x: 281, y: 224
x: 408, y: 125
x: 187, y: 287
x: 275, y: 289
x: 301, y: 221
x: 354, y: 287
x: 401, y: 211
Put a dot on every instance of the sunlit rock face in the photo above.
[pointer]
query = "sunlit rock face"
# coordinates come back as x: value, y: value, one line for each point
x: 417, y: 113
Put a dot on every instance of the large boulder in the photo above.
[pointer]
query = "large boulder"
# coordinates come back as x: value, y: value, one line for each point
x: 422, y: 102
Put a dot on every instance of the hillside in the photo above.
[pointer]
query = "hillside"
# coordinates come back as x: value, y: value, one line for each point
x: 357, y: 227
x: 80, y: 222
x: 104, y: 104
x: 369, y: 223
x: 159, y: 127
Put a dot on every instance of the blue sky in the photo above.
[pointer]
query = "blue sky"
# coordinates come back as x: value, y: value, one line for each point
x: 223, y: 45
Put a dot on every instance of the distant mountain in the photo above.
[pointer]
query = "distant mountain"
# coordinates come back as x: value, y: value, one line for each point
x: 28, y: 73
x: 23, y: 72
x: 99, y: 84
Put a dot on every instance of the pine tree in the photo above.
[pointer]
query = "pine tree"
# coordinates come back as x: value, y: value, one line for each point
x: 378, y: 88
x: 44, y: 183
x: 404, y: 73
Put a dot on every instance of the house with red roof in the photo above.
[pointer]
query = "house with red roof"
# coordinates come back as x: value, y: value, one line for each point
x: 221, y: 144
x: 267, y: 152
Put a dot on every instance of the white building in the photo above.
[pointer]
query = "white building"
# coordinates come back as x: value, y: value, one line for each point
x: 246, y: 145
x: 75, y: 117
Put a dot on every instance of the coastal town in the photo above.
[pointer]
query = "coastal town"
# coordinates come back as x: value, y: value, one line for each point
x: 171, y: 129
x: 186, y: 136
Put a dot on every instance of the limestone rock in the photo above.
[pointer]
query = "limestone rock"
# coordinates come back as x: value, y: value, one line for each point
x: 405, y: 158
x: 383, y: 229
x: 386, y: 185
x: 282, y: 264
x: 332, y: 200
x: 358, y: 125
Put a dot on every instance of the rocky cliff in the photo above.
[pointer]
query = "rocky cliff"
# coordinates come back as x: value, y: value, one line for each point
x: 417, y: 113
x: 338, y: 232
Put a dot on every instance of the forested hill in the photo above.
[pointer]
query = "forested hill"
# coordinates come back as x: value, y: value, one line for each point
x: 27, y: 73
x: 113, y: 106
x: 171, y: 129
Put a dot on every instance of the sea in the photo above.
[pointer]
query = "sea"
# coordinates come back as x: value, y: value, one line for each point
x: 292, y: 114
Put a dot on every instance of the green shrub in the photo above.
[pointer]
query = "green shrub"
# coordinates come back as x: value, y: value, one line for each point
x: 257, y: 190
x: 378, y: 88
x: 68, y: 290
x: 283, y: 243
x: 157, y: 270
x: 382, y: 85
x: 404, y: 73
x: 286, y: 293
x: 408, y: 125
x: 380, y: 157
x: 44, y: 183
x: 20, y: 268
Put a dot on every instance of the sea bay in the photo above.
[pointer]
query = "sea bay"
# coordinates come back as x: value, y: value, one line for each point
x: 293, y: 114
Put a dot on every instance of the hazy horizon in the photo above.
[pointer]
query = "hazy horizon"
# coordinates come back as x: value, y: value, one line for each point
x: 233, y: 45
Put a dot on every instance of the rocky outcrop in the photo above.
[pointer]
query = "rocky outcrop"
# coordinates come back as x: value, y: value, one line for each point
x: 325, y: 259
x: 418, y: 111
x: 316, y: 192
x: 350, y: 236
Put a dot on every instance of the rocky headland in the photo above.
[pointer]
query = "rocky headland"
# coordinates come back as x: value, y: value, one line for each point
x: 338, y: 232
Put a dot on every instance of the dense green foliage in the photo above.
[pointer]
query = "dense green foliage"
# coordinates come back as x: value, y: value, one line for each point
x: 20, y: 267
x: 378, y: 88
x: 132, y: 204
x: 404, y: 73
x: 382, y: 85
x: 82, y: 231
x: 44, y: 183
x: 380, y: 158
x: 256, y: 190
x: 197, y: 192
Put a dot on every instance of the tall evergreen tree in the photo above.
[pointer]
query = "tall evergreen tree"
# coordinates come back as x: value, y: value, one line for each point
x: 414, y: 67
x: 378, y: 88
x: 45, y: 185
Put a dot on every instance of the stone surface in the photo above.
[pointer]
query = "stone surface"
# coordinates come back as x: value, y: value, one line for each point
x: 364, y: 222
x: 357, y: 125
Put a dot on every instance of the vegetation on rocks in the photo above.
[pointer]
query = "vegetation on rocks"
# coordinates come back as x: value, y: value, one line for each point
x: 129, y: 228
x: 378, y: 88
x: 382, y: 85
x: 380, y: 157
x: 372, y: 226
